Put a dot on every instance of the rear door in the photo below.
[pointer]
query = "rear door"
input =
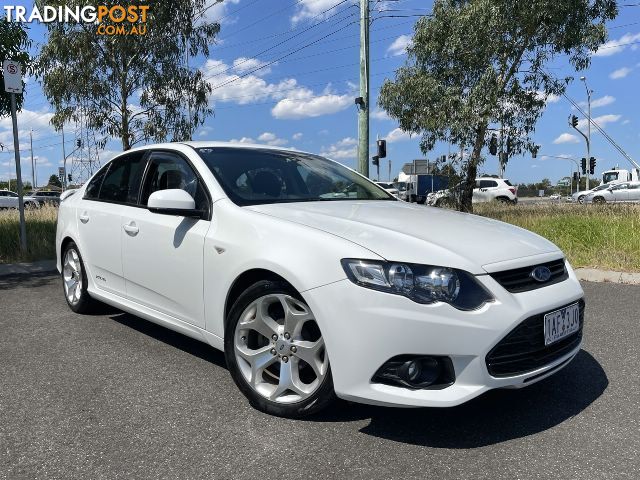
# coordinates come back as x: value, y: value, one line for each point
x: 620, y: 193
x: 112, y: 193
x: 163, y: 254
x: 633, y: 192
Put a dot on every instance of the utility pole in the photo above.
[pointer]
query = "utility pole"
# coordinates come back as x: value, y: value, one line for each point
x: 64, y: 163
x: 33, y: 166
x: 589, y: 92
x: 389, y: 169
x: 363, y: 112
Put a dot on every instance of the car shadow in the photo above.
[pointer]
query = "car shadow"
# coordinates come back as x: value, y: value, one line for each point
x: 189, y: 345
x: 495, y: 417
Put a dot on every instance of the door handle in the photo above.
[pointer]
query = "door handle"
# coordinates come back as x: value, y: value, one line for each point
x: 84, y: 217
x: 131, y: 229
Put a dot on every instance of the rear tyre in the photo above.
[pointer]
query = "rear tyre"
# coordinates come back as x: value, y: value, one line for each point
x: 599, y: 200
x: 74, y: 281
x: 275, y: 352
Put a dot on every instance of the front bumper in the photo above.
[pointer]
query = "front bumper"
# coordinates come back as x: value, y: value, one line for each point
x: 364, y: 328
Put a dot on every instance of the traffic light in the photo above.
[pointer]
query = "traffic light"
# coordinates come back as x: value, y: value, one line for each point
x: 382, y: 148
x: 583, y: 165
x: 69, y: 177
x: 376, y: 160
x: 78, y: 143
x: 592, y: 165
x: 573, y: 120
x: 493, y: 144
x: 576, y: 177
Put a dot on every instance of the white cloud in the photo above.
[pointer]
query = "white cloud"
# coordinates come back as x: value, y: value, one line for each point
x: 397, y: 135
x: 342, y: 149
x: 566, y: 138
x: 297, y: 136
x: 379, y: 114
x: 271, y: 139
x: 399, y: 45
x: 600, y: 102
x: 602, y: 120
x: 303, y: 104
x: 310, y: 8
x: 213, y: 10
x: 616, y: 46
x: 550, y: 98
x: 242, y: 65
x: 620, y: 73
x: 242, y: 140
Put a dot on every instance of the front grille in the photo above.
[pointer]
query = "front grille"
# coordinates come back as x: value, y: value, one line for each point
x: 520, y: 280
x: 523, y: 349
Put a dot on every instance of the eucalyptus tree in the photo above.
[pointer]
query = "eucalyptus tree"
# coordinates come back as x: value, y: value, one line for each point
x: 477, y: 67
x: 14, y: 45
x: 135, y: 86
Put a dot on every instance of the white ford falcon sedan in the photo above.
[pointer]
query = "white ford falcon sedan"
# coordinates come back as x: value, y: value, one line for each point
x: 316, y: 282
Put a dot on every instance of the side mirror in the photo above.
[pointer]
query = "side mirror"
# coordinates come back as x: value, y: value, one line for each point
x: 173, y: 201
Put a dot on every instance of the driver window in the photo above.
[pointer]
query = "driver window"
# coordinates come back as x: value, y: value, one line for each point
x: 169, y: 171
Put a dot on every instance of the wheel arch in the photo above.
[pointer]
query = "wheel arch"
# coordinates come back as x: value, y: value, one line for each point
x: 244, y: 281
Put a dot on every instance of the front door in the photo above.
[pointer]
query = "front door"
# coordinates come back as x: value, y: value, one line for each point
x: 162, y: 255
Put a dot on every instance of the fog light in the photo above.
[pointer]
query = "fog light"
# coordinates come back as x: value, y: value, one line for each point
x: 416, y: 372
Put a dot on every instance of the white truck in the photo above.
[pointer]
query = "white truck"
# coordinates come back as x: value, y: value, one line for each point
x: 617, y: 174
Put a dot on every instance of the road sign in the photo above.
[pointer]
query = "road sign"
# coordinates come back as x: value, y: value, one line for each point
x: 12, y: 76
x: 61, y: 173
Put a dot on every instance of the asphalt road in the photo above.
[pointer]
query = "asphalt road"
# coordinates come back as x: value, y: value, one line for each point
x: 113, y: 396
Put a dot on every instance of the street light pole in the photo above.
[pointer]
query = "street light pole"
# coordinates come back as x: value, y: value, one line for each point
x: 363, y: 111
x: 589, y: 92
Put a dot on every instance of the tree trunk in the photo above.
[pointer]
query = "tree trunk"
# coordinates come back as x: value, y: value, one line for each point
x: 466, y: 204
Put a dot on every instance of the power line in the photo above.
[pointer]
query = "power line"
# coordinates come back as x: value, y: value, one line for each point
x: 254, y: 57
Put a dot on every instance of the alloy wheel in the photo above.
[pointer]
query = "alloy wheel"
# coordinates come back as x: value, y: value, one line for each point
x: 72, y: 276
x: 279, y: 349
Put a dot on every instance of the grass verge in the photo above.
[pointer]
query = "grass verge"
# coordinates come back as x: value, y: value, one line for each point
x: 605, y: 237
x: 41, y: 235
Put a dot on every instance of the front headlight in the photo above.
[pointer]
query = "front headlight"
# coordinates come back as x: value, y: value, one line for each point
x: 420, y: 283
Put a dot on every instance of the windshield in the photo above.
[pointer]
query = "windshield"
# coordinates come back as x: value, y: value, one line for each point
x: 600, y: 187
x: 258, y: 176
x: 609, y: 177
x: 385, y: 185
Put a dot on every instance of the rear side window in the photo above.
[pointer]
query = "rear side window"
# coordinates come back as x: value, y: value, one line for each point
x: 488, y: 183
x: 122, y: 182
x: 93, y: 189
x: 508, y: 183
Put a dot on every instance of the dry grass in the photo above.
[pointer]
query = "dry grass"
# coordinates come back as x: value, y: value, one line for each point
x: 606, y: 237
x: 41, y: 235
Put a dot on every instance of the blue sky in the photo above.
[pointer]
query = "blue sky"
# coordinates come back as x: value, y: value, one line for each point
x: 306, y: 99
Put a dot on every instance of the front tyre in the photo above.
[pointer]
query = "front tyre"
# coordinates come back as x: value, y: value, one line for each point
x: 276, y: 353
x: 74, y: 280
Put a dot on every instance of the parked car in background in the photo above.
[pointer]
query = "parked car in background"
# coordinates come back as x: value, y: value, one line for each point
x: 38, y: 198
x: 617, y: 193
x: 313, y: 293
x: 389, y: 187
x: 579, y: 196
x: 555, y: 196
x: 402, y: 190
x: 8, y: 199
x: 486, y: 189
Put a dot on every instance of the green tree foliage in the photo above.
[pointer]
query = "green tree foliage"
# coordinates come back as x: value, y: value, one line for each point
x: 55, y: 181
x: 475, y: 65
x: 13, y: 45
x: 133, y: 87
